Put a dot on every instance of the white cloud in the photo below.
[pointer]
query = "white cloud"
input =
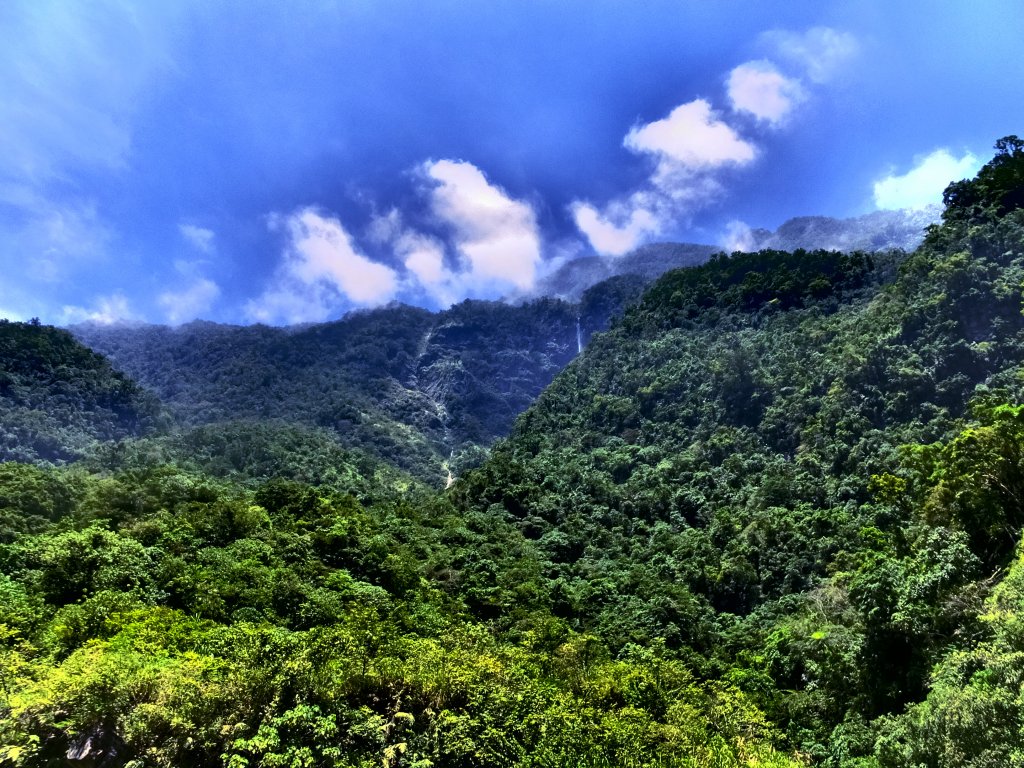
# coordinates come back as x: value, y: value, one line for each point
x: 199, y: 238
x: 924, y: 184
x: 495, y: 236
x: 10, y: 314
x: 609, y: 238
x: 693, y: 138
x: 820, y: 52
x: 290, y: 304
x: 423, y: 256
x: 386, y: 227
x: 738, y: 236
x: 106, y: 310
x: 74, y: 77
x: 321, y: 273
x: 321, y: 249
x: 189, y: 303
x: 759, y: 88
x: 692, y: 147
x: 47, y: 242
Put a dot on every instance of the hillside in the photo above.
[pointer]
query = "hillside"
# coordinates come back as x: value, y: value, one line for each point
x: 770, y: 518
x: 416, y: 389
x: 743, y: 492
x: 58, y: 398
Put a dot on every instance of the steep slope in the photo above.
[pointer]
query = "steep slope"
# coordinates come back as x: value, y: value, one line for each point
x: 722, y: 472
x: 58, y: 398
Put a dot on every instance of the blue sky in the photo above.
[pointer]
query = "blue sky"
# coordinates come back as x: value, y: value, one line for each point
x: 288, y: 162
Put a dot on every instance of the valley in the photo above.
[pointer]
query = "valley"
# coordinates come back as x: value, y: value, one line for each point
x: 770, y: 515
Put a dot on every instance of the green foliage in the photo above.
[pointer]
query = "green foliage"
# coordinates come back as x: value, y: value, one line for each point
x: 997, y: 190
x: 211, y: 625
x: 57, y: 398
x: 399, y: 384
x: 772, y: 517
x: 973, y: 713
x: 723, y: 472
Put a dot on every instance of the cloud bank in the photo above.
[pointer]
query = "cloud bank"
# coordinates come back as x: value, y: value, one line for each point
x: 105, y: 310
x: 924, y: 184
x: 483, y: 244
x: 321, y: 270
x: 190, y: 302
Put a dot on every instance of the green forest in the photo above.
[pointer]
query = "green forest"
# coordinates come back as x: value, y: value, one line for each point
x: 771, y: 516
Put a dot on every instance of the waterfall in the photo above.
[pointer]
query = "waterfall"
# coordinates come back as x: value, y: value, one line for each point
x: 579, y: 336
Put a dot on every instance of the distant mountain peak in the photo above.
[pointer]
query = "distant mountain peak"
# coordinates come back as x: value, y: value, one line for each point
x: 875, y: 231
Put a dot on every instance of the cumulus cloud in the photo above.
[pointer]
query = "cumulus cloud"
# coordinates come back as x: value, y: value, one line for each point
x: 424, y: 258
x: 820, y: 53
x: 924, y: 184
x: 691, y: 138
x: 190, y: 302
x: 495, y: 236
x: 617, y: 230
x: 694, y: 146
x: 759, y: 89
x: 691, y: 146
x: 199, y: 238
x: 321, y: 273
x: 105, y: 310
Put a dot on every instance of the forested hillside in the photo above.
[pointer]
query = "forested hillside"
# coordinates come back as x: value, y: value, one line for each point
x: 424, y: 392
x: 416, y: 389
x: 808, y: 482
x: 58, y: 398
x: 772, y: 517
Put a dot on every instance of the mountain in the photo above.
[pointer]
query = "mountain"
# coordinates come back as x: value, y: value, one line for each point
x: 647, y: 262
x: 426, y: 392
x: 877, y: 231
x: 804, y: 469
x: 58, y: 398
x: 771, y: 517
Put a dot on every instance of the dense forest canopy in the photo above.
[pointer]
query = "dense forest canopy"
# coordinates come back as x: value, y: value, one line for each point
x: 424, y: 392
x: 770, y: 517
x: 57, y: 397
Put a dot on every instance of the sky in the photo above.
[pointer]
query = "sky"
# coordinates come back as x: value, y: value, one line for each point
x: 250, y: 161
